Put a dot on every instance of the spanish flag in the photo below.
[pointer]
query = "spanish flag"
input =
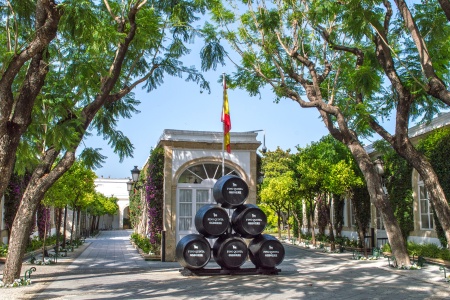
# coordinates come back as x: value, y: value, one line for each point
x: 226, y: 118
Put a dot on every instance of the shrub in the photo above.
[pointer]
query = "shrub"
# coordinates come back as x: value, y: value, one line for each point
x: 144, y: 243
x: 386, y: 248
x: 3, y: 250
x: 426, y: 250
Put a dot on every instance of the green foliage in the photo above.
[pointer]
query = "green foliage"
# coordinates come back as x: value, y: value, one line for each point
x: 3, y: 250
x: 425, y: 250
x: 36, y: 243
x: 154, y: 194
x: 386, y: 248
x: 436, y: 147
x: 399, y: 186
x: 144, y: 243
x: 73, y: 188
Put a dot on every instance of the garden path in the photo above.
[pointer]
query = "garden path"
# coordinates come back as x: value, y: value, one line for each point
x: 110, y: 268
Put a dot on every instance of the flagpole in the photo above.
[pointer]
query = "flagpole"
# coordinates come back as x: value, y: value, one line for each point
x: 223, y: 138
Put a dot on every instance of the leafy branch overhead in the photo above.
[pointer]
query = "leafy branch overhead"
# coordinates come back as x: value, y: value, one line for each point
x: 68, y: 71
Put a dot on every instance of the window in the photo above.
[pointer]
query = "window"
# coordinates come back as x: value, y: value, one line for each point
x: 195, y: 189
x: 185, y: 205
x: 426, y: 213
x: 198, y: 173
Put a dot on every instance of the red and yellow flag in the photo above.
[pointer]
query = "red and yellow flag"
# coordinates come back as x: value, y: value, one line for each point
x: 226, y: 118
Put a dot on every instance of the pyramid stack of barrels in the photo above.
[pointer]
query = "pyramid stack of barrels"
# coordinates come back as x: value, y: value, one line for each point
x: 230, y: 250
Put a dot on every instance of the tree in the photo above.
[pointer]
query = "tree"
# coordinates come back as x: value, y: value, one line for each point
x: 409, y: 70
x: 286, y: 46
x: 326, y: 172
x: 70, y: 190
x: 278, y: 186
x: 101, y: 205
x: 80, y: 82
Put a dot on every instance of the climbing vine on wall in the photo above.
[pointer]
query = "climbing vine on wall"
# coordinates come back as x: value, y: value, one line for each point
x: 135, y: 208
x: 399, y: 186
x: 436, y: 147
x: 154, y: 194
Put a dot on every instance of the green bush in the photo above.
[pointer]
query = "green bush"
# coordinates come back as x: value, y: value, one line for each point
x: 3, y: 250
x: 322, y: 238
x: 425, y: 250
x: 386, y: 248
x: 34, y: 244
x: 144, y: 243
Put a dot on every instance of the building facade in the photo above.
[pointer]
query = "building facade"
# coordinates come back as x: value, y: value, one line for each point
x: 193, y: 161
x: 115, y: 187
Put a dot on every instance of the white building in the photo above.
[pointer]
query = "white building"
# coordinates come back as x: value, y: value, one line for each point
x: 117, y: 188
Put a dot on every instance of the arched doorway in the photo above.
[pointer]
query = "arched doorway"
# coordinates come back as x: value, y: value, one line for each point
x: 194, y: 190
x: 126, y: 218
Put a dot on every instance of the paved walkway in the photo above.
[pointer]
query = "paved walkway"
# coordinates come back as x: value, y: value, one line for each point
x: 109, y: 268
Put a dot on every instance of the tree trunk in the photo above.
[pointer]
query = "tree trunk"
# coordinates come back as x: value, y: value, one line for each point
x: 58, y: 217
x: 381, y: 202
x: 93, y: 225
x: 64, y: 227
x: 279, y: 223
x: 332, y: 241
x: 313, y: 227
x: 78, y: 226
x: 43, y: 244
x: 330, y: 223
x: 338, y: 216
x: 16, y: 247
x: 41, y: 180
x: 299, y: 226
x: 71, y: 227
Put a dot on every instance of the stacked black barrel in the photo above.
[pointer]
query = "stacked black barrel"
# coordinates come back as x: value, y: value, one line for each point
x: 230, y: 250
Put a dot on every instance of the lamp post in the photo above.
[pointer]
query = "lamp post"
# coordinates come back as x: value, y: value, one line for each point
x: 135, y: 174
x: 129, y: 185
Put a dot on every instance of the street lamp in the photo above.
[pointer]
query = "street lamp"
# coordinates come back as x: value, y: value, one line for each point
x: 379, y: 168
x: 135, y: 174
x: 129, y: 185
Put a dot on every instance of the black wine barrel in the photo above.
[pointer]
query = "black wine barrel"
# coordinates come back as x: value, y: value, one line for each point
x: 248, y: 220
x: 266, y: 251
x: 211, y: 220
x: 230, y: 191
x: 230, y: 252
x: 193, y: 251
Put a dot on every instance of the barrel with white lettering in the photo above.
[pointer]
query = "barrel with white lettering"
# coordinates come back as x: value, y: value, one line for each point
x: 230, y: 191
x: 248, y: 220
x: 230, y: 252
x: 211, y: 220
x: 193, y: 251
x: 265, y: 251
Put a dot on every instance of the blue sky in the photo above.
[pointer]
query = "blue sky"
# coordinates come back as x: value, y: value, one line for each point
x: 180, y: 105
